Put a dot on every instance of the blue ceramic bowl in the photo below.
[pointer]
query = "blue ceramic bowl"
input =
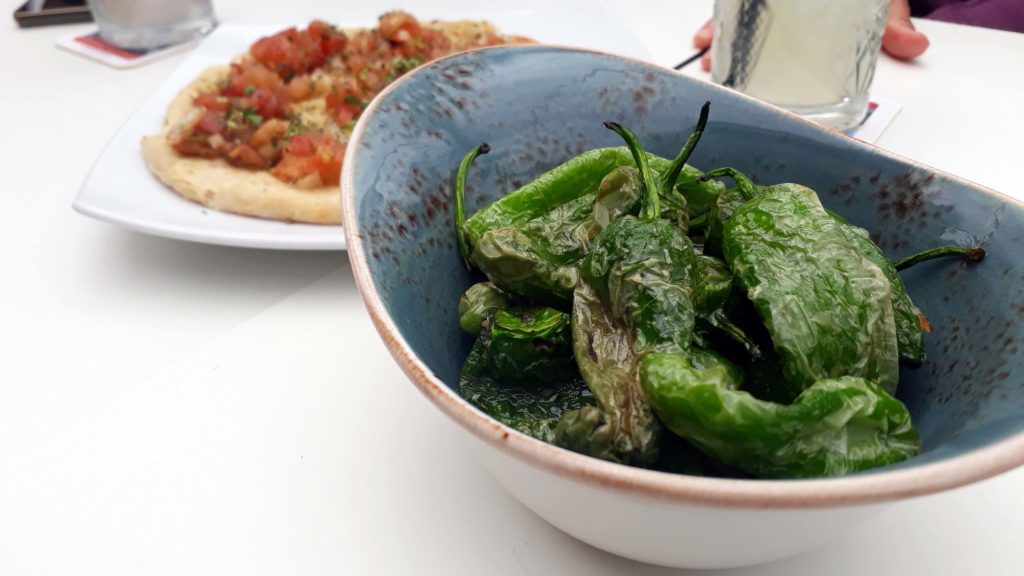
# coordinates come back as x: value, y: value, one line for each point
x: 539, y: 106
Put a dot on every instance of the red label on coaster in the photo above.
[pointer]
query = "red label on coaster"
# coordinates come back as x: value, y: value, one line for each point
x: 94, y: 41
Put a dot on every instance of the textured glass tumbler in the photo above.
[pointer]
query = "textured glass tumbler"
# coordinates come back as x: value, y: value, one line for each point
x: 814, y: 57
x: 145, y: 24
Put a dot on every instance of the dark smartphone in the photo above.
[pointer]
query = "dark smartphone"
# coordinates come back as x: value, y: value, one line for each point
x: 48, y: 12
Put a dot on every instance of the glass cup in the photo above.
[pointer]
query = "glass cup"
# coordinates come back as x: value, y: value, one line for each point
x: 146, y: 24
x: 813, y: 57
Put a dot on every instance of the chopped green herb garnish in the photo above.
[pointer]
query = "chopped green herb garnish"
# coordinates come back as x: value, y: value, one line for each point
x: 250, y: 115
x: 249, y: 89
x: 350, y: 99
x: 402, y: 65
x: 294, y: 129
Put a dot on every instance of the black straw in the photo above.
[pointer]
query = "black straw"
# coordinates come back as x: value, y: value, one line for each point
x: 691, y: 59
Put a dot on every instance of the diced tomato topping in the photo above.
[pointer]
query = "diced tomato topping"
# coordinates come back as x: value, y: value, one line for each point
x: 397, y: 26
x: 267, y: 103
x: 319, y: 29
x: 211, y: 122
x: 344, y: 101
x: 302, y: 145
x: 331, y: 41
x: 196, y: 147
x: 246, y: 157
x: 330, y: 165
x: 300, y: 88
x: 212, y: 101
x: 290, y: 52
x: 334, y: 44
x: 309, y: 153
x: 294, y: 168
x: 249, y: 76
x: 244, y: 122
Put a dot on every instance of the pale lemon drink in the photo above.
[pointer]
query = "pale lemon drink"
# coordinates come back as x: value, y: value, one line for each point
x: 814, y: 57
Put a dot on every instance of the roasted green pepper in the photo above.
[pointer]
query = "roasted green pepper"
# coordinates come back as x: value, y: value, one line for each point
x: 635, y: 298
x: 521, y: 369
x: 828, y: 308
x: 712, y: 292
x: 642, y: 267
x: 577, y: 177
x: 529, y: 242
x: 835, y: 426
x: 910, y: 322
x: 476, y: 302
x: 534, y: 410
x: 621, y: 427
x: 540, y: 259
x: 720, y: 211
x: 528, y: 345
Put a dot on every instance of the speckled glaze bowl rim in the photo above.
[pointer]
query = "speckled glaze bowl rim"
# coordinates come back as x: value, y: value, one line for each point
x: 1003, y: 455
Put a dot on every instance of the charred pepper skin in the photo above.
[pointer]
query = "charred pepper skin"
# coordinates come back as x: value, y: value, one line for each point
x: 828, y: 308
x: 835, y: 426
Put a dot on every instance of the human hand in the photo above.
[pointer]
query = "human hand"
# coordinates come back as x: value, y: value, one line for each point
x: 900, y: 39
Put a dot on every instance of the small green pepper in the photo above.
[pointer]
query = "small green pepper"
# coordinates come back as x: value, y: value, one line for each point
x: 712, y: 292
x: 539, y: 260
x: 910, y: 321
x: 476, y: 302
x: 621, y: 427
x: 577, y: 177
x: 530, y: 242
x: 635, y: 298
x: 643, y: 267
x: 836, y: 426
x: 534, y: 410
x: 828, y: 308
x: 720, y: 211
x: 517, y: 262
x: 528, y: 345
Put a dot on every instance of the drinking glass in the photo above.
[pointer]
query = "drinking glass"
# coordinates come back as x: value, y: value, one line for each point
x: 145, y: 24
x: 814, y: 57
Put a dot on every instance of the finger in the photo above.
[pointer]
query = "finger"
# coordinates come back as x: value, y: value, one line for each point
x: 702, y: 39
x: 705, y: 61
x: 900, y: 39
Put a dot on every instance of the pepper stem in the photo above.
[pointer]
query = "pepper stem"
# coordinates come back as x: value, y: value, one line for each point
x: 669, y: 178
x: 651, y: 205
x: 743, y: 184
x: 970, y: 254
x: 460, y: 199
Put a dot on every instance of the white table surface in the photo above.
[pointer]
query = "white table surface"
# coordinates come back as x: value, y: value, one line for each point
x: 174, y: 408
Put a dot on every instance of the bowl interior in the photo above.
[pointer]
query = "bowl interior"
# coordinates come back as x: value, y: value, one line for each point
x: 538, y: 106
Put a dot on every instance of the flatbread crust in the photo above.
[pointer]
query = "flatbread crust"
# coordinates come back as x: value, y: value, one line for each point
x: 219, y: 185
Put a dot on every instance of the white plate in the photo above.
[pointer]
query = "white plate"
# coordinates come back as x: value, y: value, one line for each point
x: 120, y: 189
